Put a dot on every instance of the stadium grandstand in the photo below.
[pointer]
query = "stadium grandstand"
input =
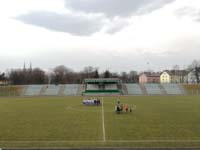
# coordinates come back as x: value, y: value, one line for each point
x: 52, y: 89
x: 71, y: 89
x: 153, y: 89
x: 173, y: 89
x: 103, y: 86
x: 100, y: 86
x: 33, y: 90
x: 133, y: 89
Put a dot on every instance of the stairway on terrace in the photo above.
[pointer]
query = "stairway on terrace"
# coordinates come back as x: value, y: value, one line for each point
x: 61, y: 90
x: 143, y: 88
x: 163, y: 91
x: 80, y: 89
x: 43, y: 89
x: 182, y: 89
x: 124, y: 89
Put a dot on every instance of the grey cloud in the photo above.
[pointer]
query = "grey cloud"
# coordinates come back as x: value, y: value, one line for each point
x: 85, y: 20
x: 74, y: 24
x: 113, y: 8
x: 191, y: 12
x: 116, y: 26
x: 197, y: 17
x: 115, y: 29
x: 184, y: 11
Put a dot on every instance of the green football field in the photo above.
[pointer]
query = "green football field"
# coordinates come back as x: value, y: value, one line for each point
x: 156, y: 121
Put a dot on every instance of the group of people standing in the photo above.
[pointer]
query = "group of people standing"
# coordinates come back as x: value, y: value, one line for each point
x: 122, y: 107
x: 93, y: 101
x: 119, y: 108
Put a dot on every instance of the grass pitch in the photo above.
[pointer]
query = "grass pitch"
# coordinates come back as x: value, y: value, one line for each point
x: 157, y: 121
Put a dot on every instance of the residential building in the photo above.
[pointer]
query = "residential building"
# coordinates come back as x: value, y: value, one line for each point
x: 191, y: 78
x: 165, y: 77
x: 149, y: 77
x: 3, y: 82
x: 173, y: 76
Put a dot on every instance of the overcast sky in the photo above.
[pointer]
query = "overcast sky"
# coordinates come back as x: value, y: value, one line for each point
x: 120, y: 35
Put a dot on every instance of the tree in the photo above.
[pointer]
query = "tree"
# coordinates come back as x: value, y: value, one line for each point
x: 89, y: 72
x: 114, y: 75
x: 20, y: 76
x: 17, y: 77
x: 107, y: 74
x: 38, y: 76
x: 61, y: 75
x: 2, y: 76
x: 96, y: 74
x: 124, y: 77
x: 195, y: 68
x: 133, y: 77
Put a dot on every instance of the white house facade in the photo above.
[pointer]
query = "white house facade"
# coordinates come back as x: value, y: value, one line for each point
x: 165, y: 77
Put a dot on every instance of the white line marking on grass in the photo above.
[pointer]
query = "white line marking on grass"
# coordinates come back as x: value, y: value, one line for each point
x: 103, y: 124
x: 152, y: 141
x: 80, y: 110
x: 98, y: 141
x: 108, y: 141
